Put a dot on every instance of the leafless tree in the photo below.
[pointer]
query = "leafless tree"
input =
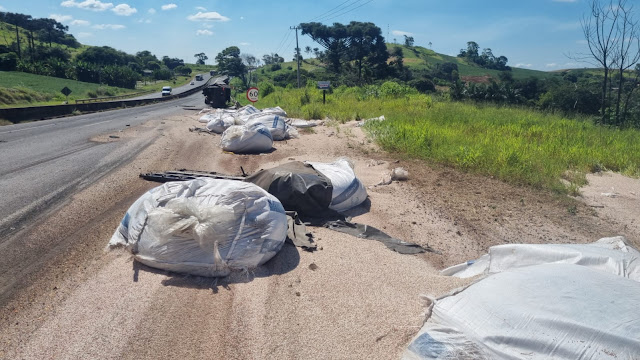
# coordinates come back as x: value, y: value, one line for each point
x: 601, y: 32
x: 627, y: 53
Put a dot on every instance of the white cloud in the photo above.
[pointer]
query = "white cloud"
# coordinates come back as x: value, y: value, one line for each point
x: 521, y: 65
x: 109, y: 26
x: 204, y: 32
x: 151, y: 11
x: 208, y: 16
x: 124, y: 10
x: 144, y: 21
x: 60, y: 18
x: 201, y: 8
x: 401, y: 33
x: 93, y: 5
x: 245, y: 44
x: 2, y: 8
x: 551, y: 65
x: 80, y: 23
x: 169, y: 6
x: 83, y: 35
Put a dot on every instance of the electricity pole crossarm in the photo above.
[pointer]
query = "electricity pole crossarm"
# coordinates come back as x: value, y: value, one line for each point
x: 297, y: 51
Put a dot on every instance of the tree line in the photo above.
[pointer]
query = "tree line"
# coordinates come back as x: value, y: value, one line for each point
x: 47, y: 51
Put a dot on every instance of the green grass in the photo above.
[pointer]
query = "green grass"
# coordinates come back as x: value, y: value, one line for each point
x: 24, y: 89
x: 516, y: 145
x: 418, y: 57
x: 45, y: 90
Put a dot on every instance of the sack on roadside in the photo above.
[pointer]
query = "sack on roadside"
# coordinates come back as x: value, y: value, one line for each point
x: 204, y: 227
x: 348, y: 191
x: 275, y: 124
x: 246, y: 139
x: 220, y: 123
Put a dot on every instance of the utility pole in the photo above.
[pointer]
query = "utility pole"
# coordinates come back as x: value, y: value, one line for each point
x: 297, y: 52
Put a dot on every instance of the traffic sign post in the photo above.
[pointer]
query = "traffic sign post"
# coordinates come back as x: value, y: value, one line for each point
x: 66, y: 91
x: 324, y: 86
x: 252, y: 94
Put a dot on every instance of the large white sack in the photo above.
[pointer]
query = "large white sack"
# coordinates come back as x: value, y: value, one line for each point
x: 549, y: 301
x: 243, y: 139
x: 548, y: 311
x: 275, y: 123
x: 348, y: 190
x: 611, y: 255
x: 275, y: 110
x: 206, y: 118
x: 204, y: 227
x: 247, y: 110
x: 220, y: 123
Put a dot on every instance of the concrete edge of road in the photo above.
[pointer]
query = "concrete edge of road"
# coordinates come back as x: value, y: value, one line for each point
x: 16, y: 115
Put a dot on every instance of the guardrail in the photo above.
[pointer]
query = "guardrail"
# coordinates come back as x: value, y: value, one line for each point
x: 18, y: 114
x: 111, y: 98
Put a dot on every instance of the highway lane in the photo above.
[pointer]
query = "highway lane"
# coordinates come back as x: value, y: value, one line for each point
x: 178, y: 90
x: 43, y: 162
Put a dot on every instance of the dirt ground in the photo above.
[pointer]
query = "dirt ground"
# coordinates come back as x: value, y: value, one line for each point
x: 350, y: 299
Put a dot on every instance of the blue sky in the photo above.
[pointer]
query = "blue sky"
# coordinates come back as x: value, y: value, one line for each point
x: 535, y: 34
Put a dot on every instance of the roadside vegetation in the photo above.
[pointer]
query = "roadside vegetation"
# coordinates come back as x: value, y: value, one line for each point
x: 542, y: 149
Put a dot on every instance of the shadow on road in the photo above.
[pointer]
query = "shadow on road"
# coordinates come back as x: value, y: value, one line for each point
x: 285, y: 260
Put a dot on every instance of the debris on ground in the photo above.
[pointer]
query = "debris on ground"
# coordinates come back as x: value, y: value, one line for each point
x: 204, y: 227
x: 399, y: 174
x: 539, y: 302
x: 275, y: 119
x: 312, y: 193
x: 363, y: 122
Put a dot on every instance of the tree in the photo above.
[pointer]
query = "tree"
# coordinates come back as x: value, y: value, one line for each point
x: 628, y: 52
x: 230, y: 63
x: 600, y: 31
x: 172, y: 63
x: 408, y: 41
x: 357, y: 42
x: 201, y: 58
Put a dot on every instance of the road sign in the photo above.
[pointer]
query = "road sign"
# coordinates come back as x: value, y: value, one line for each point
x: 324, y: 85
x: 66, y: 91
x: 252, y: 94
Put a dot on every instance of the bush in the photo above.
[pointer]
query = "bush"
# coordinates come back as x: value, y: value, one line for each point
x: 8, y: 62
x: 423, y: 85
x: 266, y: 88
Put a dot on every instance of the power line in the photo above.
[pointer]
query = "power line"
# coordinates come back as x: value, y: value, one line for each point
x: 348, y: 11
x: 326, y: 13
x: 283, y: 41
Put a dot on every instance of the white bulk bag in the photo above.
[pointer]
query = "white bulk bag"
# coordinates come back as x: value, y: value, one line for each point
x: 242, y: 139
x: 204, y: 227
x: 275, y: 110
x: 247, y: 110
x: 275, y: 123
x: 545, y: 301
x: 220, y: 123
x: 206, y: 118
x: 348, y: 191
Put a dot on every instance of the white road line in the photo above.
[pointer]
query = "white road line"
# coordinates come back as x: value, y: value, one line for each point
x: 92, y: 124
x: 25, y: 129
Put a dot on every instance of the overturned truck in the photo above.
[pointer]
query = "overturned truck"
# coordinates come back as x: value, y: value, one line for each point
x: 218, y: 92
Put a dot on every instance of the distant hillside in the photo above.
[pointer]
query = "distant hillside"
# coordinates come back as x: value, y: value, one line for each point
x: 418, y: 57
x: 8, y: 36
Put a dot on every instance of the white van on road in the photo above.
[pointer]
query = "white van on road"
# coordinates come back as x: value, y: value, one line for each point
x: 166, y: 91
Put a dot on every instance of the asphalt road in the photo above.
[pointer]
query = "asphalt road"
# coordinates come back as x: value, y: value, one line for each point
x: 177, y: 90
x: 43, y: 162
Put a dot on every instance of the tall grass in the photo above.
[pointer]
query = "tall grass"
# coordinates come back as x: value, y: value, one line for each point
x: 517, y: 145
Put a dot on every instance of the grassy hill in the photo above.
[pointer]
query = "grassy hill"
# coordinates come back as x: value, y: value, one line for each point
x: 8, y: 36
x: 417, y: 57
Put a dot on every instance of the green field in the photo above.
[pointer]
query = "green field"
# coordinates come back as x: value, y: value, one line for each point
x: 516, y: 145
x: 417, y: 57
x: 24, y: 89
